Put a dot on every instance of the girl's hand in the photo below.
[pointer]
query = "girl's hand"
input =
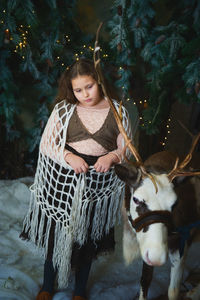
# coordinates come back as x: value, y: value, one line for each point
x: 104, y: 163
x: 77, y: 163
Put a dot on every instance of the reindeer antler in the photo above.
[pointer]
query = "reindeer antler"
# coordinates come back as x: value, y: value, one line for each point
x: 178, y: 169
x: 97, y: 60
x: 118, y: 118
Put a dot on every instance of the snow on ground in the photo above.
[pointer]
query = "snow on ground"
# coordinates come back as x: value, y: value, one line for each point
x: 21, y: 267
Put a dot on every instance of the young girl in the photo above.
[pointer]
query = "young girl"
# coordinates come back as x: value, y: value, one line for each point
x: 76, y: 196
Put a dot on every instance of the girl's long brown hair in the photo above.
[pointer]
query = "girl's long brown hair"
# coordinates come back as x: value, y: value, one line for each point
x: 80, y: 67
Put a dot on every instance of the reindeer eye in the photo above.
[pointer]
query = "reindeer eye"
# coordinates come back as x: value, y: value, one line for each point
x: 136, y: 200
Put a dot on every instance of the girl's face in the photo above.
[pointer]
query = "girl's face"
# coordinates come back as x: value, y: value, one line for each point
x: 86, y: 90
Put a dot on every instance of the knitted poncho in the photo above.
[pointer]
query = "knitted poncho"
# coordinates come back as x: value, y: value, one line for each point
x: 66, y: 199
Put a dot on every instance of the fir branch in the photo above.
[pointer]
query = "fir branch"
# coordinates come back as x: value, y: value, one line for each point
x: 145, y: 9
x: 52, y: 3
x: 174, y: 43
x: 26, y: 11
x: 192, y: 73
x: 196, y: 14
x: 48, y: 45
x: 5, y: 72
x: 11, y: 5
x: 8, y: 107
x: 28, y: 64
x: 10, y: 22
x: 36, y: 132
x: 139, y: 34
x: 16, y: 39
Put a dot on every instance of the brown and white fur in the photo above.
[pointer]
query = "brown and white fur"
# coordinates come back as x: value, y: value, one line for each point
x: 154, y: 242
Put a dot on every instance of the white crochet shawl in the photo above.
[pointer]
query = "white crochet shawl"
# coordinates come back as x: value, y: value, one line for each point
x: 103, y: 189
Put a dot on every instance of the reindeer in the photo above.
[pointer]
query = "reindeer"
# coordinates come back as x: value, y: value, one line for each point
x: 156, y: 212
x: 156, y: 209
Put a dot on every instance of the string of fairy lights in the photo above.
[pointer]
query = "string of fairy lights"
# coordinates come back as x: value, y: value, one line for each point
x: 144, y: 104
x: 24, y: 35
x: 23, y: 31
x: 163, y: 143
x: 23, y: 43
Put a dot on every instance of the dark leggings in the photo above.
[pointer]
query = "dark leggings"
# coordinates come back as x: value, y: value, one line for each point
x: 81, y: 278
x: 81, y: 272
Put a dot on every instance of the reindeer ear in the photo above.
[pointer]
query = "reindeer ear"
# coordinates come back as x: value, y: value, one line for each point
x: 128, y: 173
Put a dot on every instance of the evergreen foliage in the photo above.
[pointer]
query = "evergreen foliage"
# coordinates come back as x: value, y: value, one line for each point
x: 156, y: 45
x: 38, y: 40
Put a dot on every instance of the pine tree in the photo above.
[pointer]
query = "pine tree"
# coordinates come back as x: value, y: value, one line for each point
x: 38, y: 40
x: 156, y: 45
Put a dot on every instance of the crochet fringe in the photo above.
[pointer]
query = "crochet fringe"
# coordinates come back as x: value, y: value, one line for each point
x: 106, y: 214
